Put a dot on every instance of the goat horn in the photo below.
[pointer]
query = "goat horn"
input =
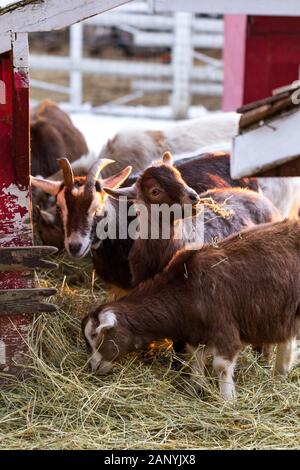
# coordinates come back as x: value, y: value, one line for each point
x: 96, y: 168
x: 67, y: 171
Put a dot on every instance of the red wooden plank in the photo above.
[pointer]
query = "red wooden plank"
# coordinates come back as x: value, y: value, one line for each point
x: 15, y: 227
x: 21, y: 128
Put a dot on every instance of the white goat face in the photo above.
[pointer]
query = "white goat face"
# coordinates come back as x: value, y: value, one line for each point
x: 101, y: 348
x: 78, y: 203
x: 78, y: 206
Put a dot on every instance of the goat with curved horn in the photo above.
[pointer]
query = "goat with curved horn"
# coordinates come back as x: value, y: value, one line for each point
x: 96, y: 168
x: 67, y: 171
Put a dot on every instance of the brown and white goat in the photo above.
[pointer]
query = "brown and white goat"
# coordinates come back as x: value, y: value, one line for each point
x: 78, y: 200
x: 111, y: 257
x: 80, y: 211
x: 53, y: 135
x: 162, y: 185
x: 217, y: 299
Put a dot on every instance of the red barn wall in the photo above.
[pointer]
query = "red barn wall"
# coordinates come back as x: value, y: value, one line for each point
x: 15, y: 224
x: 260, y: 53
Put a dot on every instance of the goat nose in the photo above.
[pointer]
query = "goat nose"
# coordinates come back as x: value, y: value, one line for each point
x: 194, y: 197
x: 75, y: 248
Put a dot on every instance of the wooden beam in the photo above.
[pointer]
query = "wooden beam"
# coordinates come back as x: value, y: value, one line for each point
x: 15, y: 223
x: 38, y: 15
x: 16, y: 301
x: 247, y: 7
x: 26, y: 258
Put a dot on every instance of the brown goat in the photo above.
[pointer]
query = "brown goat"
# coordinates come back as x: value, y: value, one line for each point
x: 218, y: 298
x: 78, y: 199
x: 53, y: 136
x: 110, y: 256
x: 162, y: 184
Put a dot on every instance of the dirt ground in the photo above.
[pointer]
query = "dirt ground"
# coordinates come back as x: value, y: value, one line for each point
x: 98, y: 89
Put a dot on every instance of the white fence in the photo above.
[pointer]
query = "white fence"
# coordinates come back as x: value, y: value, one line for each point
x: 181, y: 32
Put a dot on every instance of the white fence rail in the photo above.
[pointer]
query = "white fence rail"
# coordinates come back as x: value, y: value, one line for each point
x: 118, y: 67
x: 183, y: 33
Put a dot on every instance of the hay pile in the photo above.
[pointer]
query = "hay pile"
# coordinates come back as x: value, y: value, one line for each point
x: 140, y: 405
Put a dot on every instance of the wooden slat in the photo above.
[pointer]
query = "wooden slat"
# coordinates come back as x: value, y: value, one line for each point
x: 40, y: 15
x: 287, y: 88
x: 266, y: 112
x: 253, y: 116
x: 26, y: 258
x: 262, y: 102
x: 16, y: 301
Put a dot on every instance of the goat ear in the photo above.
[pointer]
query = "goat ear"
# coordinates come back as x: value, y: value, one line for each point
x: 102, y: 328
x: 47, y: 217
x: 107, y: 322
x: 97, y: 167
x: 130, y: 193
x: 48, y: 186
x: 167, y: 158
x: 113, y: 182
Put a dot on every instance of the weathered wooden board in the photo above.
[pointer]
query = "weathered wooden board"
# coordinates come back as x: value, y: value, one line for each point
x: 262, y: 148
x: 38, y: 15
x: 15, y: 224
x: 254, y: 116
x: 265, y: 112
x: 15, y: 227
x: 265, y: 101
x: 24, y: 258
x: 16, y: 301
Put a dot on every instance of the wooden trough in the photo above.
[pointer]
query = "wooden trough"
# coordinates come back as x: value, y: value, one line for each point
x: 19, y: 298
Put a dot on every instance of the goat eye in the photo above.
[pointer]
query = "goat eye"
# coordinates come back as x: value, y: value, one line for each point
x: 155, y: 192
x: 94, y: 335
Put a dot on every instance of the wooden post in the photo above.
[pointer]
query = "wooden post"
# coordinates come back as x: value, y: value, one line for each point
x: 235, y: 27
x: 76, y: 45
x: 15, y: 223
x: 182, y: 57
